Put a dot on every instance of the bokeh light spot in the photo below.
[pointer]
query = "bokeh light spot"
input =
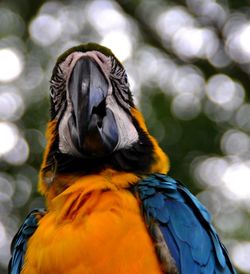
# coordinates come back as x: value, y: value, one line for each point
x: 170, y: 21
x: 186, y: 106
x: 188, y: 79
x: 119, y: 43
x: 242, y: 117
x: 230, y: 221
x: 234, y: 142
x: 244, y: 39
x: 224, y: 92
x: 211, y: 200
x: 45, y: 29
x: 240, y: 256
x: 209, y: 171
x: 10, y: 65
x: 8, y: 137
x: 19, y: 154
x: 237, y: 32
x: 220, y: 89
x: 23, y: 191
x: 236, y: 180
x: 104, y: 11
x: 6, y: 184
x: 11, y: 22
x: 11, y: 106
x: 188, y: 42
x: 2, y: 235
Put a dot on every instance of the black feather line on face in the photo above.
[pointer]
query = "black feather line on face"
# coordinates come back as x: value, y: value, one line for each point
x: 57, y: 92
x: 119, y: 97
x: 120, y: 85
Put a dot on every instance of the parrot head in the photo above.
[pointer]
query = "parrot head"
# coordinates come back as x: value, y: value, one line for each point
x: 94, y: 123
x: 92, y: 103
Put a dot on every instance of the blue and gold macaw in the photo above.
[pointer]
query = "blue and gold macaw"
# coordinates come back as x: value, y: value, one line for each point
x: 111, y: 208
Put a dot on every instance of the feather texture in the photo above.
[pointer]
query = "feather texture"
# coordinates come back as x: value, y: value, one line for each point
x: 94, y: 227
x: 185, y: 224
x: 19, y: 243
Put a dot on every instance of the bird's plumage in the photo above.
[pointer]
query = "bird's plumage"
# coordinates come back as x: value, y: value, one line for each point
x: 19, y: 243
x: 110, y: 206
x: 185, y: 225
x: 92, y: 227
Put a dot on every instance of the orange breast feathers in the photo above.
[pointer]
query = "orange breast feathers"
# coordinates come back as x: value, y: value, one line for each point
x: 92, y: 228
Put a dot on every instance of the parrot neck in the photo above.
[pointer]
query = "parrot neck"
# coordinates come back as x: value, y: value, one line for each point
x: 106, y: 180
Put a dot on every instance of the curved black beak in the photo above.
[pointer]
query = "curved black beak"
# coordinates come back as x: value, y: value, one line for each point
x: 93, y: 127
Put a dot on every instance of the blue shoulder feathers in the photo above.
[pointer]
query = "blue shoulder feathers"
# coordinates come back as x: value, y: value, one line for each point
x: 19, y: 243
x: 185, y: 226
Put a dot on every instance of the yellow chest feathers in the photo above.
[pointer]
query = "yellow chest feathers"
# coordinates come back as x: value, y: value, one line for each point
x: 92, y: 231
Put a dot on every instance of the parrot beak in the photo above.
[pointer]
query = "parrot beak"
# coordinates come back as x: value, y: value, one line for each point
x: 93, y: 127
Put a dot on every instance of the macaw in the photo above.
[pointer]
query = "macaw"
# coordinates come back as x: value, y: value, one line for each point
x: 110, y: 205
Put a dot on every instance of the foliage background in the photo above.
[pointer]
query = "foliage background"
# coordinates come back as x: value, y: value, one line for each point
x: 188, y: 64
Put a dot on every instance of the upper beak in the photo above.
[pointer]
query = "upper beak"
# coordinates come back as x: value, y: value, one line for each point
x: 93, y: 127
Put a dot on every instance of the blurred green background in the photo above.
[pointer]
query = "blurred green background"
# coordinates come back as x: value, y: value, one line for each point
x: 188, y: 64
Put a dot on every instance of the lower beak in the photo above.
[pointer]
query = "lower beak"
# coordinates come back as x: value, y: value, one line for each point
x: 93, y: 127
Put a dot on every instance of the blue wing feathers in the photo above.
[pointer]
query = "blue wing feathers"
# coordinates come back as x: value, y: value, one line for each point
x: 172, y: 245
x: 185, y: 224
x: 19, y: 243
x: 219, y: 248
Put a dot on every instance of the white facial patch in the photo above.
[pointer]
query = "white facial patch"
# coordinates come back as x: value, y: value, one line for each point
x: 65, y: 142
x: 127, y: 132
